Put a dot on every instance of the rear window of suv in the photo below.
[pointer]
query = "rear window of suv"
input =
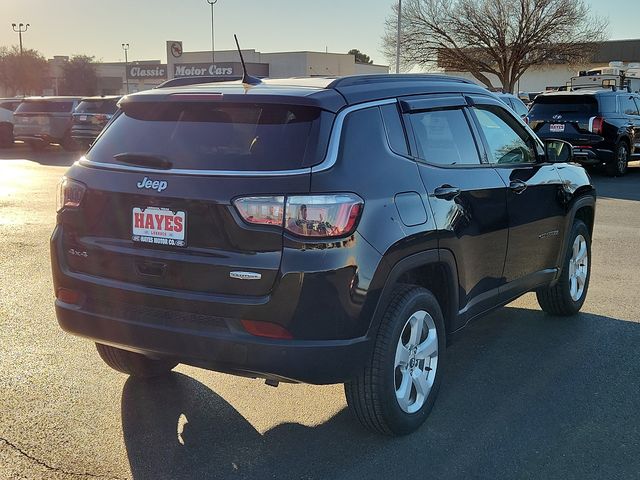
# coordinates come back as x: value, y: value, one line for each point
x: 44, y: 106
x: 573, y: 104
x: 97, y: 106
x: 213, y: 136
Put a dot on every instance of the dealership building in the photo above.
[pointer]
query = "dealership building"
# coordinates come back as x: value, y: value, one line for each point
x: 118, y: 77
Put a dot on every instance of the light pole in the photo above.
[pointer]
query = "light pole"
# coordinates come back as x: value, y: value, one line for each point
x: 398, y: 36
x: 213, y: 44
x: 20, y: 29
x: 125, y: 47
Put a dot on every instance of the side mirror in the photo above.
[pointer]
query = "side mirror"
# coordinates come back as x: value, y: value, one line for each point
x: 558, y: 151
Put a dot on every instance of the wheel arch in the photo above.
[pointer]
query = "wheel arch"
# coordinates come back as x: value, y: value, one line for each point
x: 433, y: 269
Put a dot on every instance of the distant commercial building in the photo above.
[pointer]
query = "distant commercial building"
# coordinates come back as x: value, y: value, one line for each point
x: 549, y: 76
x: 113, y: 77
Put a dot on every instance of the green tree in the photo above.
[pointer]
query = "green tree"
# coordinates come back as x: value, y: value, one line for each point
x: 22, y: 74
x: 79, y: 76
x: 360, y: 57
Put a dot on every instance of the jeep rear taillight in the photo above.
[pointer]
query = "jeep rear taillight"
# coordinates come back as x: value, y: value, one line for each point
x: 310, y: 216
x: 322, y: 216
x: 261, y: 210
x: 70, y: 193
x: 595, y: 125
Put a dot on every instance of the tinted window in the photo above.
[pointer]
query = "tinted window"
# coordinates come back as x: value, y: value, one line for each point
x: 563, y: 104
x: 607, y: 104
x: 395, y: 131
x: 519, y: 107
x: 9, y: 105
x: 97, y: 106
x: 44, y: 106
x: 212, y: 136
x: 627, y: 105
x: 443, y: 137
x: 508, y: 141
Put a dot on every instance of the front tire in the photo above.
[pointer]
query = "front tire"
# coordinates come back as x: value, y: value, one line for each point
x: 618, y: 167
x: 134, y: 364
x: 567, y: 296
x: 398, y: 386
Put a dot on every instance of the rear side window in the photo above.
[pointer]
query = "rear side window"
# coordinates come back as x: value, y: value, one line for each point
x: 565, y: 104
x: 9, y: 105
x: 443, y: 137
x: 627, y: 105
x: 44, y: 106
x: 213, y: 136
x: 97, y: 106
x: 395, y: 130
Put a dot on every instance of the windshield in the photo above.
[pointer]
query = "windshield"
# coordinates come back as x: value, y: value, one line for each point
x: 211, y: 136
x: 568, y: 104
x: 44, y: 106
x: 97, y: 106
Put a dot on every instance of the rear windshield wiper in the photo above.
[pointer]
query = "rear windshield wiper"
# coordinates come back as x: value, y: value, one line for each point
x: 144, y: 160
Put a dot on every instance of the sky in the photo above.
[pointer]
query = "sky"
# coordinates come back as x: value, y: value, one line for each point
x: 99, y: 27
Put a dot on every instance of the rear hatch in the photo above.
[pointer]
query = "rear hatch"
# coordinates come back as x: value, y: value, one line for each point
x: 160, y: 183
x: 37, y: 117
x: 569, y: 117
x: 91, y: 115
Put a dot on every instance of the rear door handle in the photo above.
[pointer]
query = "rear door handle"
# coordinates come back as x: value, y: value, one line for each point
x: 517, y: 186
x: 446, y: 192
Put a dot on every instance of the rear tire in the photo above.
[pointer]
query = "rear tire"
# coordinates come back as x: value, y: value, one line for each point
x: 6, y: 135
x: 134, y: 364
x: 37, y: 146
x: 70, y: 145
x: 618, y: 166
x: 567, y: 296
x: 398, y: 386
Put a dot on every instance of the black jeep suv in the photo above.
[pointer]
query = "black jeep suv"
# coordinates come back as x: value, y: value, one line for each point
x: 602, y: 125
x: 316, y: 230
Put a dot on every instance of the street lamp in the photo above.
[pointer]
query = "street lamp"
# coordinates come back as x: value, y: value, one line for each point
x: 20, y: 29
x: 398, y: 36
x: 213, y: 50
x: 125, y: 47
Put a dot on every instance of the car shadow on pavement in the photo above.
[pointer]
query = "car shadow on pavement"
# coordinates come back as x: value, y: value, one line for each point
x: 622, y: 188
x: 525, y: 395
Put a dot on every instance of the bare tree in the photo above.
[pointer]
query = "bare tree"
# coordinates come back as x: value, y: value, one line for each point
x: 499, y: 37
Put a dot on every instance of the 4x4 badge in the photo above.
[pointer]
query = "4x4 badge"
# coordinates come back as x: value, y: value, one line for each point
x: 147, y: 183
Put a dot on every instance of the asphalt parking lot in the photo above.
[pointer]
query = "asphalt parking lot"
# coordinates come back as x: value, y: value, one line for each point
x: 524, y: 396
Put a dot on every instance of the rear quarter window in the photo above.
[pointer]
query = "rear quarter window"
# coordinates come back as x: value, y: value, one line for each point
x: 214, y: 136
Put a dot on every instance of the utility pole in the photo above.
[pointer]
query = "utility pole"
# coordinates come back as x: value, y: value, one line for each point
x: 213, y: 44
x: 20, y: 29
x: 125, y: 47
x: 398, y: 36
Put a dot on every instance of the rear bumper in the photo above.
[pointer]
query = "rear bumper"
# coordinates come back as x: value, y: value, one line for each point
x: 220, y: 349
x: 205, y: 329
x: 592, y: 156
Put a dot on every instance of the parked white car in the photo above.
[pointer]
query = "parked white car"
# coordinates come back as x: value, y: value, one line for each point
x: 7, y: 106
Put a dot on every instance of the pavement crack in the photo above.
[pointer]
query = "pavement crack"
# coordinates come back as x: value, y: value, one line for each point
x: 16, y: 448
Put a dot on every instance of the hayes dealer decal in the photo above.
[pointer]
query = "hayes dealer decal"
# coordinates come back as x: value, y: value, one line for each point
x: 159, y: 226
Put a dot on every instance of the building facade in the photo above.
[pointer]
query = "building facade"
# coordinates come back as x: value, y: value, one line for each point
x: 120, y: 78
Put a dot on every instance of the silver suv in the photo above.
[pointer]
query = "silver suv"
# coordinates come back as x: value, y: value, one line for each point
x: 39, y: 121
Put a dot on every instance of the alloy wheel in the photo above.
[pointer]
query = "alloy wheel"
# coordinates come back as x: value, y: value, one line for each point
x: 578, y: 268
x: 416, y: 361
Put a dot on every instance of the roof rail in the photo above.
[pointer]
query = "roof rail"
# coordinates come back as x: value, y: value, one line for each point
x: 388, y: 78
